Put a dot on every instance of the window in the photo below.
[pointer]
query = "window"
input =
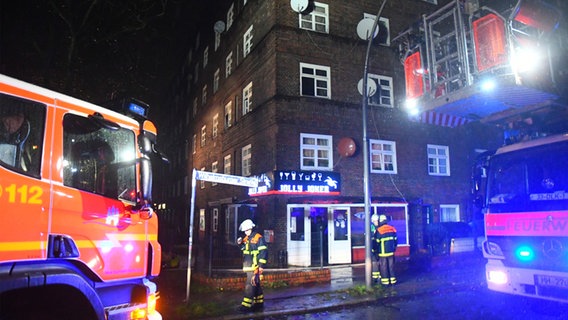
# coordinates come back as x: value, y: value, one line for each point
x: 315, y: 80
x: 201, y: 219
x: 216, y: 81
x: 316, y: 152
x: 204, y: 95
x: 215, y: 126
x: 247, y: 98
x: 21, y: 145
x: 384, y: 95
x: 93, y: 159
x: 247, y: 42
x: 203, y: 135
x: 217, y: 40
x: 194, y: 144
x: 317, y: 20
x: 247, y: 160
x: 214, y: 169
x: 449, y: 212
x: 234, y: 216
x: 227, y: 164
x: 229, y: 114
x: 196, y: 72
x: 205, y: 57
x: 431, y: 1
x: 215, y: 223
x: 195, y: 106
x: 230, y: 16
x: 383, y: 35
x: 438, y: 160
x: 383, y: 156
x: 229, y: 64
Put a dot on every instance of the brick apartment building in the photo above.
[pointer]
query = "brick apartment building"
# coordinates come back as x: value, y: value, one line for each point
x: 272, y: 93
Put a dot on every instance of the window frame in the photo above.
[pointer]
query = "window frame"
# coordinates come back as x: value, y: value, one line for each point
x: 310, y: 21
x: 229, y: 64
x: 228, y: 119
x: 380, y: 89
x: 203, y: 135
x: 444, y: 217
x: 247, y: 99
x: 382, y: 153
x: 227, y: 164
x: 316, y: 149
x: 215, y: 128
x: 435, y: 159
x: 246, y: 160
x: 247, y: 41
x: 315, y: 79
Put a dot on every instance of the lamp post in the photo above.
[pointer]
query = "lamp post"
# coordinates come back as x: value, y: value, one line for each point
x: 366, y: 191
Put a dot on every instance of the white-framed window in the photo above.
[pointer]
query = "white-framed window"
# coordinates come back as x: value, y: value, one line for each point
x: 317, y: 20
x: 205, y: 56
x: 247, y: 42
x: 227, y: 164
x: 215, y: 222
x: 217, y: 40
x: 204, y: 95
x: 438, y: 160
x: 215, y: 127
x: 315, y: 80
x: 203, y: 135
x: 449, y: 213
x: 383, y: 156
x: 214, y: 169
x: 246, y: 160
x: 247, y: 98
x: 194, y: 144
x: 229, y: 114
x: 201, y: 219
x: 229, y: 64
x: 383, y: 36
x: 316, y: 152
x: 202, y: 182
x: 195, y: 106
x: 230, y: 16
x: 216, y: 77
x: 384, y: 95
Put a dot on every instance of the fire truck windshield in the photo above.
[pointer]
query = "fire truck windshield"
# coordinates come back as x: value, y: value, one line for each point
x: 532, y: 179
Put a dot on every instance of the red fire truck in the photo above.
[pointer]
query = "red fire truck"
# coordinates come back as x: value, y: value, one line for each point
x: 78, y: 237
x: 499, y: 62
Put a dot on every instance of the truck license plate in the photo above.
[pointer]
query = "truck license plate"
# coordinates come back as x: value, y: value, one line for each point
x: 551, y: 281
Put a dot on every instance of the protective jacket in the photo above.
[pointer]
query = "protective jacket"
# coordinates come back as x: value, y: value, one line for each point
x: 254, y: 252
x: 385, y: 242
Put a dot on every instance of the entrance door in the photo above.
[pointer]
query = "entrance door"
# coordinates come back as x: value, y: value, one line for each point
x: 299, y: 237
x: 339, y: 226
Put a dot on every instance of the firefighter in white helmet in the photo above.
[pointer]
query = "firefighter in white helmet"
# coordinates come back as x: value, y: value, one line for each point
x: 375, y: 275
x: 255, y: 254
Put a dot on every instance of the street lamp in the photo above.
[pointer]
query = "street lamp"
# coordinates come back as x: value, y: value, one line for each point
x: 368, y: 36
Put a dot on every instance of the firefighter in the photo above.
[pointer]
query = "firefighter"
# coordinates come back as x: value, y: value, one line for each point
x: 386, y: 242
x: 375, y: 248
x: 255, y: 254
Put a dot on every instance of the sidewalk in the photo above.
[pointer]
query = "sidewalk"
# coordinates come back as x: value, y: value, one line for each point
x: 345, y: 289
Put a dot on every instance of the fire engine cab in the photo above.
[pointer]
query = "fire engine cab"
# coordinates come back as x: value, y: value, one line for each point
x: 78, y: 237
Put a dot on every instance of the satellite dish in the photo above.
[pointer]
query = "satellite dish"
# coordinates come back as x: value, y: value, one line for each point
x: 364, y: 28
x: 299, y: 5
x: 371, y: 87
x: 219, y: 26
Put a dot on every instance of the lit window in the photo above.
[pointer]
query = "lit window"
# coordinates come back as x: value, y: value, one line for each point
x: 215, y: 126
x: 216, y: 81
x: 315, y: 81
x: 317, y: 20
x: 203, y: 135
x: 383, y: 156
x: 384, y: 95
x: 229, y: 64
x: 229, y: 114
x: 247, y: 42
x: 227, y: 164
x: 449, y: 212
x: 438, y: 160
x: 247, y: 160
x: 247, y: 98
x: 316, y: 152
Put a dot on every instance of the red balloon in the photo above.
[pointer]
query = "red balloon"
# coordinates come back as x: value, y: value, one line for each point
x: 346, y: 147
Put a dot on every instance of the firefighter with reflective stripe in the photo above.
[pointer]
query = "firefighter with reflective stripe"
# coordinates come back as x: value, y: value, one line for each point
x: 255, y: 254
x: 376, y: 275
x: 386, y: 242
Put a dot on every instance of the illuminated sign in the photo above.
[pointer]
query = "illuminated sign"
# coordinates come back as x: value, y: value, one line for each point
x: 291, y: 181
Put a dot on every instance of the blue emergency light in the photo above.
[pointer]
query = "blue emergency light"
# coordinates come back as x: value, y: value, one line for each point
x: 524, y: 253
x: 136, y: 108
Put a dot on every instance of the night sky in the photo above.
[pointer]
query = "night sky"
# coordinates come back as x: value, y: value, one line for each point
x: 98, y: 50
